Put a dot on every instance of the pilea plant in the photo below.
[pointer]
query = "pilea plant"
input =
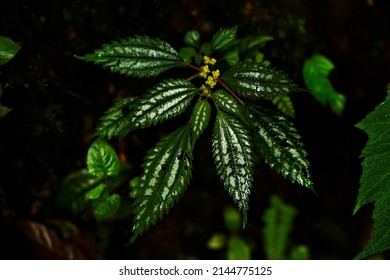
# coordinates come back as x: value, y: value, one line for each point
x: 241, y: 125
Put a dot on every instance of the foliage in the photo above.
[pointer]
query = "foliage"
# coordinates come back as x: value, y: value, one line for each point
x: 94, y: 186
x: 8, y: 50
x: 278, y: 219
x: 315, y: 74
x: 375, y: 178
x: 240, y: 129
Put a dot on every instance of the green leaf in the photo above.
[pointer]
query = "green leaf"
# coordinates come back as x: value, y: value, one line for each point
x: 167, y: 172
x: 140, y: 56
x: 116, y: 120
x: 216, y: 242
x: 232, y: 152
x: 227, y: 103
x: 280, y: 144
x: 192, y: 38
x: 166, y: 100
x: 278, y: 220
x: 187, y: 54
x: 232, y: 219
x: 102, y: 159
x: 95, y: 192
x: 200, y: 118
x: 223, y: 38
x: 315, y: 74
x: 375, y: 178
x: 8, y: 49
x: 107, y: 208
x: 255, y: 81
x: 238, y: 249
x: 285, y: 105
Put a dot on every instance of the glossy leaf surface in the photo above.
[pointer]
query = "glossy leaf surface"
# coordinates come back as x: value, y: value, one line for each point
x: 255, y: 81
x: 8, y: 49
x: 140, y: 56
x: 223, y: 38
x: 280, y: 144
x: 167, y: 172
x: 200, y: 118
x: 232, y: 152
x: 102, y: 159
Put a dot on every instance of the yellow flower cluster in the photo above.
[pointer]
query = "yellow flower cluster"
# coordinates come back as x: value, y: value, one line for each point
x: 210, y: 76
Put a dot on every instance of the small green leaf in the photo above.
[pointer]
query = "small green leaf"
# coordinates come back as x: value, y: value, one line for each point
x: 232, y: 219
x: 223, y: 38
x: 107, y: 208
x: 115, y: 122
x: 238, y: 249
x: 217, y: 241
x: 255, y: 81
x: 375, y: 178
x: 278, y: 220
x: 167, y: 172
x: 192, y: 38
x: 102, y: 159
x: 315, y: 74
x: 280, y: 144
x: 140, y: 56
x: 187, y: 54
x: 200, y: 118
x: 285, y: 105
x: 232, y: 58
x: 232, y: 152
x: 95, y: 192
x: 8, y: 49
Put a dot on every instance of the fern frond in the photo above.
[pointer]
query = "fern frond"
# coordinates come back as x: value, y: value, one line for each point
x: 140, y: 56
x: 280, y: 144
x: 255, y: 81
x: 232, y: 152
x: 167, y: 172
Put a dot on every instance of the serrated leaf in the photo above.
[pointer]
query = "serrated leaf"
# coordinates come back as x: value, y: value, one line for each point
x: 232, y: 152
x: 200, y: 118
x: 227, y: 103
x: 107, y: 208
x: 375, y: 178
x: 167, y: 172
x: 95, y: 192
x: 285, y: 105
x: 166, y: 100
x: 116, y: 119
x: 8, y: 49
x: 140, y: 56
x: 223, y: 38
x: 315, y: 74
x: 192, y: 38
x: 280, y: 144
x: 255, y: 81
x: 102, y: 159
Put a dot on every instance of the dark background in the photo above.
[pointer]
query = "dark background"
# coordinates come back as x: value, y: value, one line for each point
x: 57, y: 101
